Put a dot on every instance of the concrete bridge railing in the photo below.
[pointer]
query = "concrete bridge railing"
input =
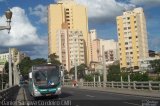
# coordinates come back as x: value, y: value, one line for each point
x: 149, y: 85
x: 8, y: 94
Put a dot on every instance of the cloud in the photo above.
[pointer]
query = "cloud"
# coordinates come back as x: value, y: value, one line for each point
x: 22, y: 31
x: 104, y: 10
x: 41, y: 12
x: 98, y: 10
x: 147, y: 3
x: 144, y: 1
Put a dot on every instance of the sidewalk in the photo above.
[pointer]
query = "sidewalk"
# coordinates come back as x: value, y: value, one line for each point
x: 147, y: 93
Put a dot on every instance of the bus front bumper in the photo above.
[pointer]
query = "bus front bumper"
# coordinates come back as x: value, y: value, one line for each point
x: 39, y: 94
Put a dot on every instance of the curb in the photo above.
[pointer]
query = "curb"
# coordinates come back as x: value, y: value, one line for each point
x: 25, y: 98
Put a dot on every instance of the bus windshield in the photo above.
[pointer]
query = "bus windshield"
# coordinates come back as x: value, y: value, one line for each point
x: 47, y: 77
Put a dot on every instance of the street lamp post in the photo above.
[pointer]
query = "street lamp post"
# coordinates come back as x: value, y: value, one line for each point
x: 75, y: 60
x: 8, y: 15
x: 10, y: 68
x: 63, y: 74
x: 104, y: 68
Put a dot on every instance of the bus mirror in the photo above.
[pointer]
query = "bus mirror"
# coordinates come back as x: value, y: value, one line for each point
x: 30, y: 75
x: 61, y: 73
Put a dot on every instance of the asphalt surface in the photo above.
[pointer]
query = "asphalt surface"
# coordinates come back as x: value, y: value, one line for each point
x: 80, y: 97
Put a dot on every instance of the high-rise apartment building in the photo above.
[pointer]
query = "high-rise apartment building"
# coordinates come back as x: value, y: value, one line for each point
x: 132, y: 38
x: 70, y: 47
x: 75, y: 15
x: 110, y: 49
x: 92, y: 36
x: 63, y: 47
x: 96, y: 54
x: 76, y: 47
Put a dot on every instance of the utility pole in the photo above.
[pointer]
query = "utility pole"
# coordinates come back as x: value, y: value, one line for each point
x: 63, y: 74
x: 75, y: 70
x: 104, y: 67
x: 10, y: 68
x: 75, y: 62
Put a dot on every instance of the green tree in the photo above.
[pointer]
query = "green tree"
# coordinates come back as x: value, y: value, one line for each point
x: 54, y: 59
x: 6, y: 67
x: 88, y: 78
x: 25, y: 65
x: 139, y: 77
x: 114, y: 73
x: 39, y: 61
x: 155, y: 65
x: 80, y: 71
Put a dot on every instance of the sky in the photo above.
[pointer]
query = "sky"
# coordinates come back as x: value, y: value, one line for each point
x: 29, y: 31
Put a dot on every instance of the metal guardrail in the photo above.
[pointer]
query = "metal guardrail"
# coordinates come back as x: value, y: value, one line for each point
x: 7, y: 94
x: 150, y: 85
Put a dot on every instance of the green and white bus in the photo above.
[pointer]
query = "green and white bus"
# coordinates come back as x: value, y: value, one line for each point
x: 45, y: 80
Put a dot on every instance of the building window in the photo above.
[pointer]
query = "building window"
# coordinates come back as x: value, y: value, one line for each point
x: 67, y: 16
x: 67, y: 13
x: 125, y: 28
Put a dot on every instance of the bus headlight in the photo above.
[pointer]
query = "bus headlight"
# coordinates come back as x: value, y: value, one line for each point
x: 59, y: 88
x: 35, y: 89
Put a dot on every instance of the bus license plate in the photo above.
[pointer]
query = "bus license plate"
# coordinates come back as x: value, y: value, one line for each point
x: 48, y: 94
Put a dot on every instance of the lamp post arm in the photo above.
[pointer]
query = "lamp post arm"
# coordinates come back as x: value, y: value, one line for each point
x: 5, y: 27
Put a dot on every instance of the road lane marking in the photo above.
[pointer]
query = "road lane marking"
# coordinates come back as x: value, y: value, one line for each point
x: 71, y: 92
x: 132, y: 104
x: 90, y: 96
x: 123, y: 94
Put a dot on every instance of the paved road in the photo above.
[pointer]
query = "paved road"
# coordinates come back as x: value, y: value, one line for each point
x: 80, y: 97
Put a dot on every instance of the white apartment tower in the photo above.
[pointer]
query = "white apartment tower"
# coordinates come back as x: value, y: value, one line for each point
x: 70, y: 47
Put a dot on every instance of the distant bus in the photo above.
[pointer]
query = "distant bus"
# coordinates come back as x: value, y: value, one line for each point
x: 45, y: 80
